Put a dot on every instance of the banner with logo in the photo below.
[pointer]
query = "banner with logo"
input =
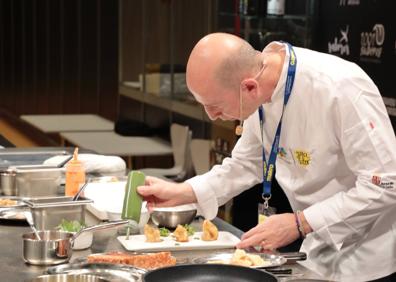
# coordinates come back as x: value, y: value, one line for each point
x: 363, y: 31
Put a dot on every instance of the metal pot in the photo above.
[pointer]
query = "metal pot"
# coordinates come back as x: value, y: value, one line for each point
x: 55, y: 247
x: 208, y: 272
x: 7, y: 182
x: 68, y: 278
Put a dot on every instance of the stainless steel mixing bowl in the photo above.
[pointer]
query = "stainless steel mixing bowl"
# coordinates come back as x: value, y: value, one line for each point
x: 171, y: 218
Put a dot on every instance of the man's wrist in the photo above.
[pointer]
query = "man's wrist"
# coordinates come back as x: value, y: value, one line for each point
x: 187, y: 193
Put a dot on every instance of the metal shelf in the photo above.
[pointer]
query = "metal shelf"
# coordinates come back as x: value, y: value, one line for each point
x: 189, y: 109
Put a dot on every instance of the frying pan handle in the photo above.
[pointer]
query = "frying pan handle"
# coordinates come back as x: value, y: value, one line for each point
x: 294, y: 256
x: 107, y: 225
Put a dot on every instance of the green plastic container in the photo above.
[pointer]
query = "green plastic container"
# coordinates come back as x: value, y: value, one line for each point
x: 132, y: 200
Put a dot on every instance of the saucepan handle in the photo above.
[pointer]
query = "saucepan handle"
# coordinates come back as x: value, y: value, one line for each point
x: 107, y: 225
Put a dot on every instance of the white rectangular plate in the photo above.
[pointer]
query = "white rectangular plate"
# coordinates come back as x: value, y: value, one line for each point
x: 138, y: 243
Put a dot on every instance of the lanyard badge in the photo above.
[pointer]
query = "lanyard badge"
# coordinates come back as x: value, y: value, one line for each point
x: 269, y: 167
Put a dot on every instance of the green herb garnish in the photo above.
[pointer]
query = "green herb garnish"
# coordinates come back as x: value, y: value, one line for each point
x: 190, y: 229
x: 164, y: 232
x: 71, y: 225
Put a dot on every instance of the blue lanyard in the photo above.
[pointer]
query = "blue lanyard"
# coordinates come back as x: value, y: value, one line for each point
x: 268, y: 168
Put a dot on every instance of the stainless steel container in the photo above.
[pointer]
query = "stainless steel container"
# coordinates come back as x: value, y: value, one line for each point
x: 49, y: 212
x: 7, y: 182
x: 37, y: 181
x: 68, y: 278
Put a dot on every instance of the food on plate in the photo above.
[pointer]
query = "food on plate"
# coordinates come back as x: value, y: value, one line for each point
x: 152, y: 234
x: 209, y: 231
x: 164, y: 232
x: 181, y: 234
x: 7, y: 202
x: 71, y: 225
x: 240, y: 257
x: 146, y: 261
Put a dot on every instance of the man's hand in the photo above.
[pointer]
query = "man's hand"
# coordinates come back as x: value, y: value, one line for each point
x: 276, y: 231
x: 161, y: 193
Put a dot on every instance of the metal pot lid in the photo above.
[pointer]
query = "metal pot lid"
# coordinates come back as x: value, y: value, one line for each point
x: 114, y: 272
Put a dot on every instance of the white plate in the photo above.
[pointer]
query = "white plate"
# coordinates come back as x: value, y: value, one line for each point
x: 138, y: 243
x: 271, y: 260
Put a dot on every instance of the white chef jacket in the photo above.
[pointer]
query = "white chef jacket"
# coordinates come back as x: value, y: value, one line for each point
x: 336, y: 162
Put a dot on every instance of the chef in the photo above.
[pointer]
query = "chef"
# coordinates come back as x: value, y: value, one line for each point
x: 321, y: 121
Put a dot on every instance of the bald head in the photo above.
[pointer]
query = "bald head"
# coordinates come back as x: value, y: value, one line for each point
x: 219, y: 60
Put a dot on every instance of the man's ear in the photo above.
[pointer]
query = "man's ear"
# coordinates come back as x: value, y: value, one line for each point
x: 250, y: 86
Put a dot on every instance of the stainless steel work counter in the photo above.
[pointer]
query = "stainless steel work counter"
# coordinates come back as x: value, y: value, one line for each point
x: 13, y: 268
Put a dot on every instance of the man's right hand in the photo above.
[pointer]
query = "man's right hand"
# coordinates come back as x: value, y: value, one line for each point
x: 161, y: 193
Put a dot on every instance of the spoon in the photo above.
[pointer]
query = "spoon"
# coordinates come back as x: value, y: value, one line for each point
x: 75, y: 198
x: 29, y: 219
x: 65, y: 161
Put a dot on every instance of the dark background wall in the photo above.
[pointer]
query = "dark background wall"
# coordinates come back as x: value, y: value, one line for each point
x: 59, y: 56
x: 363, y: 31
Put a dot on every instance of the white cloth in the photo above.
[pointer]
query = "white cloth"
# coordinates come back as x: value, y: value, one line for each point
x: 337, y: 163
x: 94, y: 163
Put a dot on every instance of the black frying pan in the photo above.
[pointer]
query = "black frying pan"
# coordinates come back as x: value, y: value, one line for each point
x: 208, y: 273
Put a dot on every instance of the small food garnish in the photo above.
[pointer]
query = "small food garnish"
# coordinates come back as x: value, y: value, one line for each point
x: 71, y: 225
x: 190, y: 229
x: 164, y: 232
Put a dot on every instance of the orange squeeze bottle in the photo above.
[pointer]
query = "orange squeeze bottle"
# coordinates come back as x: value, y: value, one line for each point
x: 75, y: 175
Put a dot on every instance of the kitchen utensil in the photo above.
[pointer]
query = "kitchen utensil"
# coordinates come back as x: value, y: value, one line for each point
x: 55, y: 247
x: 75, y: 198
x: 294, y: 256
x: 113, y: 272
x: 49, y: 212
x: 65, y: 161
x: 208, y: 272
x: 29, y: 219
x: 173, y: 216
x: 132, y: 200
x: 69, y: 278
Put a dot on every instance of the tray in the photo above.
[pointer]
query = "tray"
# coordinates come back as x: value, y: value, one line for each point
x: 271, y: 260
x: 112, y: 272
x: 16, y: 214
x: 138, y: 243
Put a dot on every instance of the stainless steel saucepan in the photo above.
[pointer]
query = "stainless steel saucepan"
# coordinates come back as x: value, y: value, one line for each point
x: 68, y: 278
x: 55, y: 247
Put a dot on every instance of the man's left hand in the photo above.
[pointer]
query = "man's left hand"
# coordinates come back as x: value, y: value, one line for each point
x: 276, y: 231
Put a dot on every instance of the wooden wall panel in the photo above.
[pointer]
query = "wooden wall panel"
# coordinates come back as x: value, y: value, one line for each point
x: 54, y: 57
x: 42, y: 26
x: 59, y: 56
x: 70, y: 56
x: 108, y: 54
x: 88, y: 25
